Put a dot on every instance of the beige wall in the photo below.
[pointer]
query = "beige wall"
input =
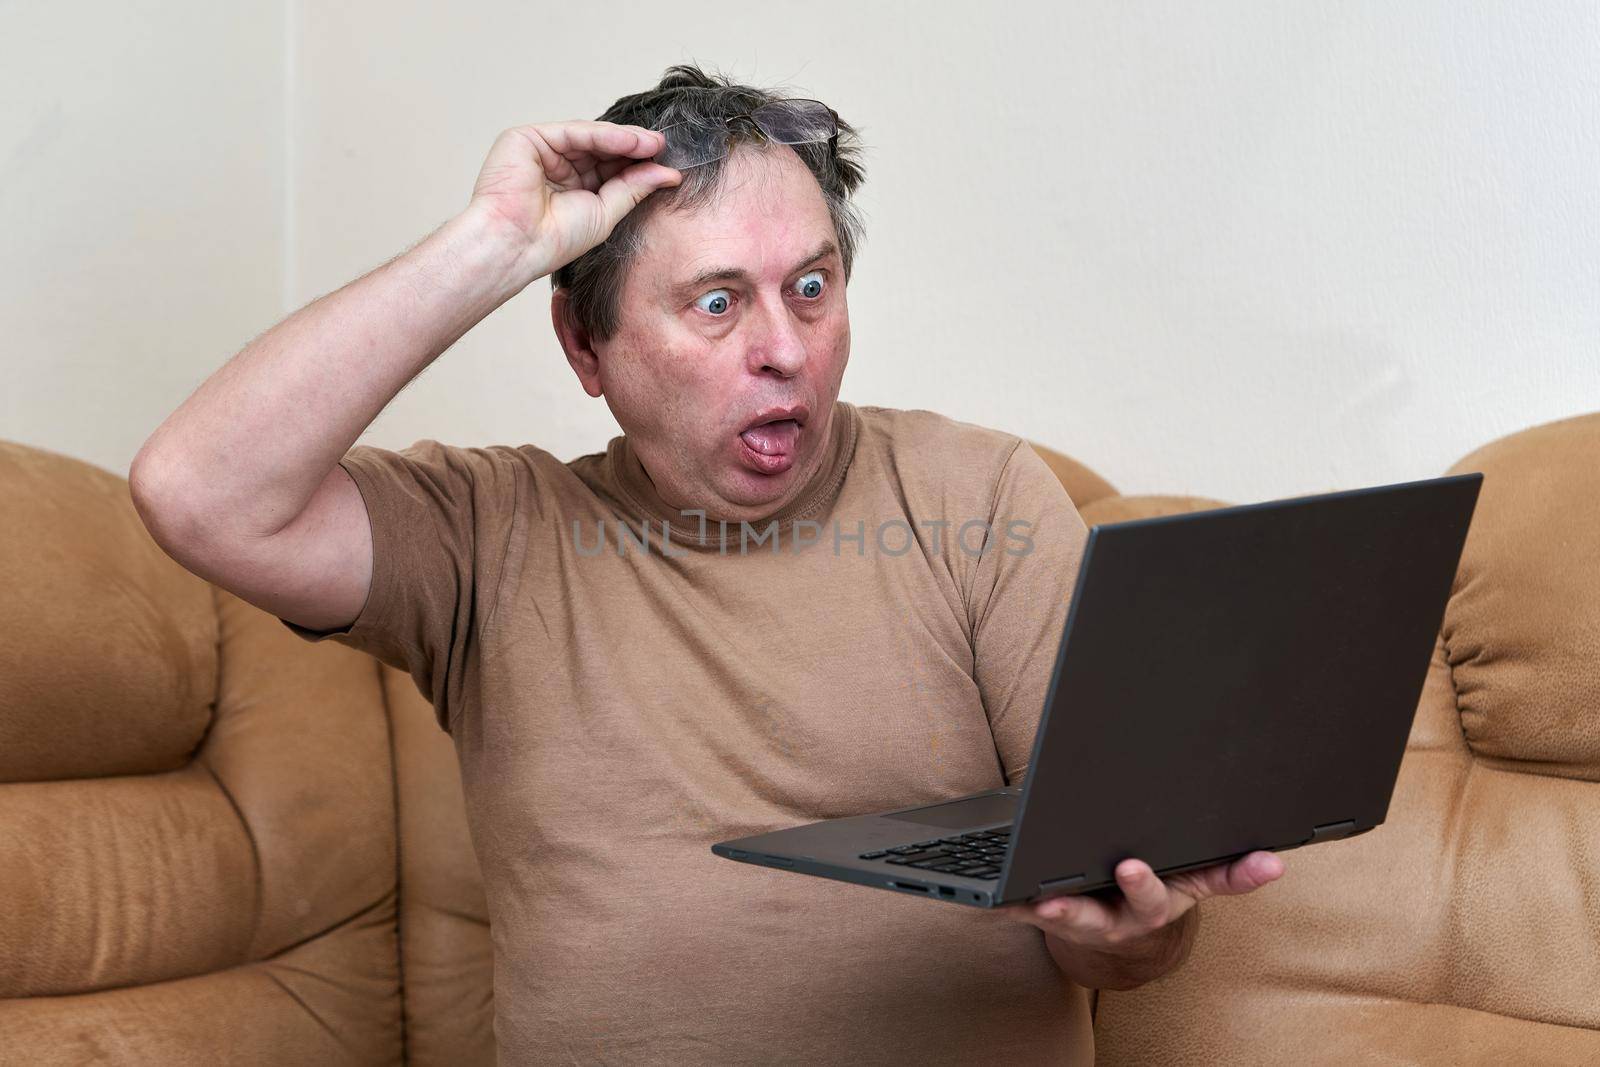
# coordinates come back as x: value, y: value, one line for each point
x: 1246, y: 250
x: 141, y: 210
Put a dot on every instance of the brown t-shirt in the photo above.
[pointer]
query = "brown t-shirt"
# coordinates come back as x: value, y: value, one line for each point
x: 617, y: 709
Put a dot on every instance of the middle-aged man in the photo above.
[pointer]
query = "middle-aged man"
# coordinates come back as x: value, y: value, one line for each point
x: 759, y: 606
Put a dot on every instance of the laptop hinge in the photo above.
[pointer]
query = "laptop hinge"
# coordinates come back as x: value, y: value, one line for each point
x: 1332, y: 831
x: 1059, y: 883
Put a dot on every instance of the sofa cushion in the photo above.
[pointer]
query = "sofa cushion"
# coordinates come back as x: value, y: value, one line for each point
x: 1523, y: 631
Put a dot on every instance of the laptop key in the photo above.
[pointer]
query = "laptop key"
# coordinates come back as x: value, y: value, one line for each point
x: 983, y: 872
x: 875, y: 855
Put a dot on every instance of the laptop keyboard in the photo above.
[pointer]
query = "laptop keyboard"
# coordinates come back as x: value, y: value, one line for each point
x: 975, y: 855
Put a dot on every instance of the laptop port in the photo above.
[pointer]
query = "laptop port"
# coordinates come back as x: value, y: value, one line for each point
x: 946, y: 891
x: 911, y: 886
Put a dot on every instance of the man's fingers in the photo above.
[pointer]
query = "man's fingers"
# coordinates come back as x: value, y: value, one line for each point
x: 609, y: 168
x: 1230, y: 879
x: 1084, y: 915
x: 627, y: 190
x: 1146, y: 901
x: 600, y: 140
x: 566, y: 153
x: 1145, y: 893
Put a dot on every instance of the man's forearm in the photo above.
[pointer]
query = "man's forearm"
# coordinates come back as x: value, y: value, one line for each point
x: 244, y: 454
x: 1141, y: 962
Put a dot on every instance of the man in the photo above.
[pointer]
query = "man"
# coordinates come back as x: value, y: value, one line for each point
x: 758, y: 606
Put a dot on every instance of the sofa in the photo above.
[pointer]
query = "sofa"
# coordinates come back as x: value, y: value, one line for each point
x: 220, y: 844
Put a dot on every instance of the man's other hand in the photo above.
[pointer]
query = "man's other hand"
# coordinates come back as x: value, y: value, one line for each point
x: 1147, y: 929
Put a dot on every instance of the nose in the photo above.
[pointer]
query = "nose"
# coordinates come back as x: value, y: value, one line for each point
x: 778, y: 346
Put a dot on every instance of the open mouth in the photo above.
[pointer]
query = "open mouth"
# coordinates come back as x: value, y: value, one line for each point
x: 775, y: 438
x: 772, y: 439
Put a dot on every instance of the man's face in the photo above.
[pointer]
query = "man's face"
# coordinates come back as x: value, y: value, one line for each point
x: 694, y: 363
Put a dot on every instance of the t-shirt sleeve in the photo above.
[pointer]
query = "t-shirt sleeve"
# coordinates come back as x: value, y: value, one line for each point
x: 437, y: 514
x: 1019, y: 597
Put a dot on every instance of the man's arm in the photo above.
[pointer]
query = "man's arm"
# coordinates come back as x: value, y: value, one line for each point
x: 242, y: 484
x: 221, y: 483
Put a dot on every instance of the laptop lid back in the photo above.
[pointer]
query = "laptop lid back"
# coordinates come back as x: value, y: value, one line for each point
x: 1257, y: 668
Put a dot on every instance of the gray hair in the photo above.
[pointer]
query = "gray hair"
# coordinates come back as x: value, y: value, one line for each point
x: 687, y: 94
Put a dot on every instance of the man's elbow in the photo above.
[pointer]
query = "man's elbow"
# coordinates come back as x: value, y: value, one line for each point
x: 158, y: 495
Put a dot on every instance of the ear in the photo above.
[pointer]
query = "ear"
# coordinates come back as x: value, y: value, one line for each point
x: 575, y: 342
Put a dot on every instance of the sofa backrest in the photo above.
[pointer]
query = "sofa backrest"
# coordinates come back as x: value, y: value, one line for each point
x: 198, y: 816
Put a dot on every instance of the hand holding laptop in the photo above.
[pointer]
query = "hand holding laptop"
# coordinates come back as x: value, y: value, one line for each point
x: 1140, y: 935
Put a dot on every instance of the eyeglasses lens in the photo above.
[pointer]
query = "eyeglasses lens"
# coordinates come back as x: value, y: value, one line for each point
x: 691, y: 144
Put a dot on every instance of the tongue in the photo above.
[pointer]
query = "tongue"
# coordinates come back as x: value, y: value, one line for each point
x: 772, y: 438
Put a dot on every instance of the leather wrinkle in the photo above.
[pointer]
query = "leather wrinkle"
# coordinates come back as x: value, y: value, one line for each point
x: 307, y: 1008
x: 1455, y: 690
x: 1287, y: 984
x: 238, y: 812
x: 241, y: 965
x: 399, y: 863
x: 354, y: 916
x: 255, y: 850
x: 453, y: 913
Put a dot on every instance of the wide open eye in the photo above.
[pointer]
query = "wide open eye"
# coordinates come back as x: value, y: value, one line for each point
x: 813, y: 289
x: 709, y: 310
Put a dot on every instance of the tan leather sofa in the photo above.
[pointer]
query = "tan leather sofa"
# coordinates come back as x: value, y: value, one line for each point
x: 219, y: 844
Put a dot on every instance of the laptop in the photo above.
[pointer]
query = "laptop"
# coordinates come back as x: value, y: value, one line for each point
x: 1229, y: 680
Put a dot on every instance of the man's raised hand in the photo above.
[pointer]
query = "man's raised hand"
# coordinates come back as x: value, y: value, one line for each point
x: 562, y: 187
